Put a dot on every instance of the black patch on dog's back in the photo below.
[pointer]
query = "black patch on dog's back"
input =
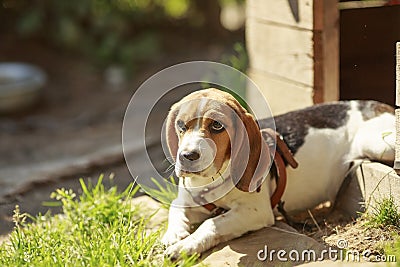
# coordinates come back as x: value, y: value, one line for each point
x: 294, y: 126
x: 370, y: 108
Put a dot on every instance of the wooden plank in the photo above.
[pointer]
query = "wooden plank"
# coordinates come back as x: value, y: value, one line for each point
x: 293, y: 13
x: 362, y: 4
x: 280, y: 51
x: 397, y: 111
x: 326, y: 50
x: 397, y: 74
x: 281, y: 95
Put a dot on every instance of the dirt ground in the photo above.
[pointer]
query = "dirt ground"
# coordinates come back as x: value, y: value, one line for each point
x: 331, y: 227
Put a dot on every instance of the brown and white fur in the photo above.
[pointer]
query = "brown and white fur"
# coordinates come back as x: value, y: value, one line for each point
x: 324, y: 139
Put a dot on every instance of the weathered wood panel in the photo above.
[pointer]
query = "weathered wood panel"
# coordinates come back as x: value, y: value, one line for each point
x: 298, y: 14
x: 282, y: 96
x: 326, y: 51
x: 293, y: 49
x: 281, y: 51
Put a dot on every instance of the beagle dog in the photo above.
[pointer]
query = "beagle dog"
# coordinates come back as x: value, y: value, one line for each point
x: 222, y: 160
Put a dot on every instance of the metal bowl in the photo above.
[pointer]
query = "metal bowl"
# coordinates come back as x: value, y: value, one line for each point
x: 20, y: 86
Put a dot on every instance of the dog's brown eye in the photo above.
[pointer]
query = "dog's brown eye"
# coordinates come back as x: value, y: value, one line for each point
x: 181, y: 126
x: 216, y: 126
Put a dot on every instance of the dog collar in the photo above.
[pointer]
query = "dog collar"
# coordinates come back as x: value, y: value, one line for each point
x: 281, y: 155
x: 200, y: 198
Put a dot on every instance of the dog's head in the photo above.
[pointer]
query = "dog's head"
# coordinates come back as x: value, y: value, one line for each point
x: 209, y: 133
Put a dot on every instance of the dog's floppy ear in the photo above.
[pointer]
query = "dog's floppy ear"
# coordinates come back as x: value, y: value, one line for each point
x: 172, y: 138
x: 249, y: 154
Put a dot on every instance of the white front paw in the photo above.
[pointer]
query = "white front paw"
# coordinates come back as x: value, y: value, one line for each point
x: 172, y: 237
x: 187, y: 245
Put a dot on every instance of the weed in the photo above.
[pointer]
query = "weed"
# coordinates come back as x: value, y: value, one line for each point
x: 98, y: 228
x: 384, y: 213
x: 165, y: 192
x: 392, y: 251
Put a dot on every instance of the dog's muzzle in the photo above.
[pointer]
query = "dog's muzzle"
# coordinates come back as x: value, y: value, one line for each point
x: 196, y: 156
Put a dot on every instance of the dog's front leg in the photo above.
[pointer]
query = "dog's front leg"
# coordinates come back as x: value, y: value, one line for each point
x: 180, y: 220
x: 178, y: 226
x: 213, y: 231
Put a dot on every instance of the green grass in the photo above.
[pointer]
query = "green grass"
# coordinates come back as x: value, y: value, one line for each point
x: 393, y: 250
x: 97, y: 228
x: 165, y: 192
x: 384, y: 213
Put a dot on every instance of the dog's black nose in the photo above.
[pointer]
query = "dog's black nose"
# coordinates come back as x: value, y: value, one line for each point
x: 189, y: 155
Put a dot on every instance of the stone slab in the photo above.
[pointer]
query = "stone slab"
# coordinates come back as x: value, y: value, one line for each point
x: 149, y: 206
x: 366, y: 186
x: 351, y: 264
x: 256, y: 248
x: 243, y: 251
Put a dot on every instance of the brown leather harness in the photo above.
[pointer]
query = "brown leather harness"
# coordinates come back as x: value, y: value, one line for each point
x: 281, y: 154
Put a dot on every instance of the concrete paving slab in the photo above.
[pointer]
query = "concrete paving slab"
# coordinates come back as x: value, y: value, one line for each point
x: 266, y: 247
x: 366, y: 186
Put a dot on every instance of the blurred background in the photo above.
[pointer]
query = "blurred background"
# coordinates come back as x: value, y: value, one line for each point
x: 90, y: 57
x: 69, y: 68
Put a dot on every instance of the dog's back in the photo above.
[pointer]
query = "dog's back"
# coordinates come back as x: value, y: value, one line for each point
x: 325, y: 139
